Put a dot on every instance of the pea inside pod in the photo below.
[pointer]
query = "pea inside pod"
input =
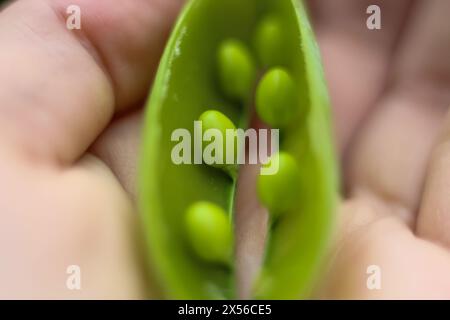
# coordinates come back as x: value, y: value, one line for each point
x: 236, y: 69
x: 209, y: 72
x: 209, y: 232
x: 279, y: 191
x: 277, y: 100
x: 222, y: 152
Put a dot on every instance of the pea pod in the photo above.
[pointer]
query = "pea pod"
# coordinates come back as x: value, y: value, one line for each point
x: 194, y: 77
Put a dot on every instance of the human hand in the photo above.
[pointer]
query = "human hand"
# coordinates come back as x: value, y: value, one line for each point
x: 69, y: 125
x: 390, y: 95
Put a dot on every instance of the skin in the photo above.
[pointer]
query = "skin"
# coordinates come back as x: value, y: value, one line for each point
x: 69, y: 130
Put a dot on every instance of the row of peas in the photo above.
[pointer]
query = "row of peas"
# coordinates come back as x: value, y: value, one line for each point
x: 208, y: 226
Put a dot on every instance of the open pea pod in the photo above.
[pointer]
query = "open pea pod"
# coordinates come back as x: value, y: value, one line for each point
x: 193, y: 77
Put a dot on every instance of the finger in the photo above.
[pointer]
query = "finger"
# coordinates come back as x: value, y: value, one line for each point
x: 392, y: 154
x: 77, y: 217
x: 434, y: 216
x: 374, y: 244
x: 59, y: 87
x: 118, y: 148
x: 391, y: 157
x: 354, y: 55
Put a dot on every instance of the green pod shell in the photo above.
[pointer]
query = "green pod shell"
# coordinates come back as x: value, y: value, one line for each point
x: 186, y: 85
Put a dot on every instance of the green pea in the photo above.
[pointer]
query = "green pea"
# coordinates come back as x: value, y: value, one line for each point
x: 276, y: 98
x: 236, y: 69
x: 280, y: 192
x: 209, y: 232
x: 270, y: 42
x: 213, y: 119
